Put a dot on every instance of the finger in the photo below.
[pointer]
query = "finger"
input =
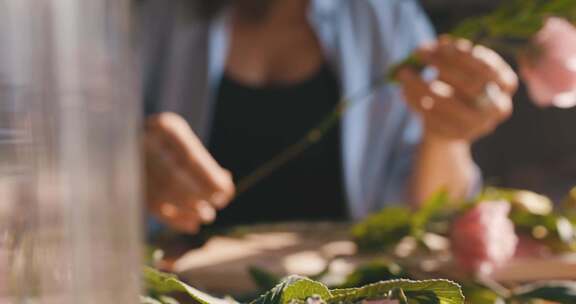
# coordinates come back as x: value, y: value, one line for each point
x: 165, y: 188
x: 457, y: 78
x: 185, y: 225
x: 447, y: 116
x: 165, y: 176
x: 477, y: 64
x: 188, y: 150
x: 414, y: 89
x: 215, y: 183
x: 446, y: 105
x: 469, y: 89
x: 500, y: 105
x: 204, y: 209
x: 168, y: 188
x: 494, y: 67
x: 175, y: 217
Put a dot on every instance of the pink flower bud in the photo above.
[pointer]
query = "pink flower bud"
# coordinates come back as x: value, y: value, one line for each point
x: 483, y: 239
x: 550, y: 69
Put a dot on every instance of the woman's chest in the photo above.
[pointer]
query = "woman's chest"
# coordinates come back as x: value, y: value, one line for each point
x: 275, y: 55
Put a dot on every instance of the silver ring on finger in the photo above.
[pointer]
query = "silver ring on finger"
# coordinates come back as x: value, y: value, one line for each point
x: 485, y: 100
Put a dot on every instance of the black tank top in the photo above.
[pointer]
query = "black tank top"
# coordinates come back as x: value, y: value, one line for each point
x: 253, y: 124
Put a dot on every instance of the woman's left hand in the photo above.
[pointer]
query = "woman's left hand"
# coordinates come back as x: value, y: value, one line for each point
x: 471, y: 95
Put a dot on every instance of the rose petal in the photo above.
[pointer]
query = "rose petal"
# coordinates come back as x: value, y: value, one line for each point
x: 484, y: 238
x: 551, y: 76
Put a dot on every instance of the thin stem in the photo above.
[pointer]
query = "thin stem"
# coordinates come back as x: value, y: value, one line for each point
x: 311, y: 137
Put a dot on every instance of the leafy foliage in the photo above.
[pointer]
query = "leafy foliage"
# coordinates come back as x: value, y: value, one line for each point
x: 479, y: 294
x: 296, y: 289
x: 386, y: 228
x: 293, y: 288
x: 265, y: 280
x: 533, y: 215
x: 515, y: 19
x: 159, y: 284
x: 429, y: 209
x: 374, y: 272
x: 382, y: 230
x: 507, y: 30
x: 421, y: 292
x: 563, y: 292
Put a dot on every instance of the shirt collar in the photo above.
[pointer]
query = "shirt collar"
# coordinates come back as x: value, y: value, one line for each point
x: 324, y: 8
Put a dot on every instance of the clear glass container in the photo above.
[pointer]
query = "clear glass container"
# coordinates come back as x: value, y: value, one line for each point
x: 69, y: 153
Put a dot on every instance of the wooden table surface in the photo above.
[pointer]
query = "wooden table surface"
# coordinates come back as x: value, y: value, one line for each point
x: 221, y: 265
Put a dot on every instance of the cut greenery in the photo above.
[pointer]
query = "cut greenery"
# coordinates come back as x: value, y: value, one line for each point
x: 296, y: 289
x: 533, y: 215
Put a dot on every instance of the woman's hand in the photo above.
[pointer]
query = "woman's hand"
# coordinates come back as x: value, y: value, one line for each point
x: 185, y: 186
x: 471, y: 95
x: 469, y: 98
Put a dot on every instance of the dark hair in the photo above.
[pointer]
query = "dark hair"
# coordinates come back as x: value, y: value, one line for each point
x: 210, y: 8
x: 252, y: 9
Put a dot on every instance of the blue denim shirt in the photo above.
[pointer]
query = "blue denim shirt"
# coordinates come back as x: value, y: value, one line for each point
x: 184, y: 60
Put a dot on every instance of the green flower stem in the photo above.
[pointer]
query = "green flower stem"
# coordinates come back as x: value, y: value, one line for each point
x: 291, y: 152
x: 412, y: 62
x: 398, y: 294
x: 313, y: 136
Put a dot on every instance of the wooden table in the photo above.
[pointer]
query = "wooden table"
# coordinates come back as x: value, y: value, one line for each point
x: 221, y: 265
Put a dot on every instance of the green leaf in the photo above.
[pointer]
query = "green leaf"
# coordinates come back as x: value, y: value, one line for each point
x: 296, y: 289
x: 479, y: 294
x: 563, y: 292
x: 516, y: 19
x: 374, y: 272
x: 149, y: 300
x: 419, y: 292
x: 471, y: 29
x: 168, y: 300
x: 384, y: 229
x: 265, y: 280
x: 162, y: 283
x: 398, y: 294
x: 432, y: 206
x: 293, y: 288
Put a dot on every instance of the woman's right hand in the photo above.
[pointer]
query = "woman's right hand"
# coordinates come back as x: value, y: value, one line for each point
x: 184, y: 184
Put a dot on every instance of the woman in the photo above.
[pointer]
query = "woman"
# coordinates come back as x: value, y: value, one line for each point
x: 250, y: 76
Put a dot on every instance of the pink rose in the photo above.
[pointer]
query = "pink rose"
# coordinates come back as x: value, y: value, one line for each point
x: 550, y: 70
x: 483, y: 239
